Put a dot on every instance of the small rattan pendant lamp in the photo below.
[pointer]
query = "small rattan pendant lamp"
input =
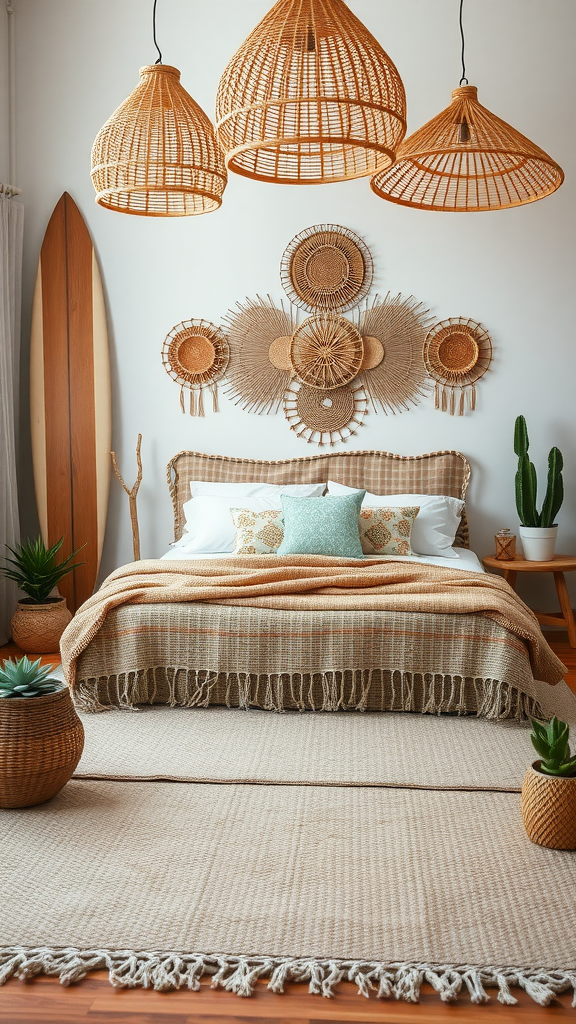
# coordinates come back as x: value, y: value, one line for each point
x: 310, y: 97
x: 157, y: 155
x: 466, y: 160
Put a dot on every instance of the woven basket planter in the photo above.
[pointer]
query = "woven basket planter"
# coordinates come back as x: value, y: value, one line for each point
x: 549, y: 809
x: 41, y: 741
x: 37, y: 628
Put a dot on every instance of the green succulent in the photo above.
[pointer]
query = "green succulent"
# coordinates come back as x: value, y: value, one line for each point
x: 35, y: 568
x: 551, y: 743
x: 526, y: 482
x: 26, y: 678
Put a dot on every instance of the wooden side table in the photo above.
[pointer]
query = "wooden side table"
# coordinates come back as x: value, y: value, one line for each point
x: 558, y: 566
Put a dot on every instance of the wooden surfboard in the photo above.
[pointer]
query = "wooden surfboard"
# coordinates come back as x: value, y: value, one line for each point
x: 70, y: 403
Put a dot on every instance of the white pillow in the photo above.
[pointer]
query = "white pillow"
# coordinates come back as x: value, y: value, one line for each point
x: 200, y: 488
x: 435, y: 526
x: 209, y: 525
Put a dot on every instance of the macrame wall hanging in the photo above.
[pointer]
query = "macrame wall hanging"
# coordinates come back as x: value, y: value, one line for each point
x: 458, y: 352
x: 195, y: 354
x: 327, y: 369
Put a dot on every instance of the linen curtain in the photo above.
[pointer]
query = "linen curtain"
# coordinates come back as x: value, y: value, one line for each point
x: 11, y: 236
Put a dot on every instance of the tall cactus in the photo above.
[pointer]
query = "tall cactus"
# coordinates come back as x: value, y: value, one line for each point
x: 525, y: 476
x: 526, y: 482
x: 554, y: 490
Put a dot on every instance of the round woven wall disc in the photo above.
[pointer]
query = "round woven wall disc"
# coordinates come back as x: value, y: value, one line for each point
x: 326, y: 351
x: 324, y: 411
x: 373, y: 352
x: 279, y: 353
x: 326, y: 267
x: 194, y: 352
x: 457, y: 352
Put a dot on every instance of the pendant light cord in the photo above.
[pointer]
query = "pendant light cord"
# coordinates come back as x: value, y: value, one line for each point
x: 159, y: 61
x: 463, y: 80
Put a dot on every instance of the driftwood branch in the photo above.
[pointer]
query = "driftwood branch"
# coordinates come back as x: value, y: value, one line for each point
x: 132, y: 493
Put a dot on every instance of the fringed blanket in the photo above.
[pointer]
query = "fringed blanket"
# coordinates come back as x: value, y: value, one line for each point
x: 302, y: 583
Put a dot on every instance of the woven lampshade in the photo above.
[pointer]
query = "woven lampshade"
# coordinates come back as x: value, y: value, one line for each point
x: 310, y: 97
x: 157, y: 155
x: 466, y: 159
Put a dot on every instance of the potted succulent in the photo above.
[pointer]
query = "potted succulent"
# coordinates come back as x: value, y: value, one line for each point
x: 40, y: 618
x: 41, y: 736
x: 549, y: 788
x: 538, y: 530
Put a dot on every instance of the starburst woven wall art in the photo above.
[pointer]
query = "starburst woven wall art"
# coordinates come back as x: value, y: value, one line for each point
x: 326, y: 370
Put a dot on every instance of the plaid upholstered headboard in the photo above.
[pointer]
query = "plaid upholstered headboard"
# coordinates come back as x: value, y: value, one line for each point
x: 444, y: 472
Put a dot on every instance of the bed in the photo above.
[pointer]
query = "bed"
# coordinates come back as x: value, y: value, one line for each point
x: 327, y: 655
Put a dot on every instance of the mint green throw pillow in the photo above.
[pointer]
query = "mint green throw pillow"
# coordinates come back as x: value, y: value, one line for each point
x: 322, y: 526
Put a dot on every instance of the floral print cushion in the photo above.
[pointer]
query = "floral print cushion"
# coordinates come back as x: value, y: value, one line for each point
x: 257, y: 533
x: 386, y: 531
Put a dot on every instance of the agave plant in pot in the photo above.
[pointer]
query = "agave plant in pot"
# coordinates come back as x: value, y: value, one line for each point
x: 40, y: 618
x: 41, y: 736
x: 549, y: 788
x: 538, y: 530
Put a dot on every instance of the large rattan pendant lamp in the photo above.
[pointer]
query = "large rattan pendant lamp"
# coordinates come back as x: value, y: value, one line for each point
x: 466, y: 159
x: 157, y: 155
x: 310, y: 97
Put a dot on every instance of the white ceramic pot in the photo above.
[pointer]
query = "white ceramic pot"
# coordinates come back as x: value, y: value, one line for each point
x: 538, y: 542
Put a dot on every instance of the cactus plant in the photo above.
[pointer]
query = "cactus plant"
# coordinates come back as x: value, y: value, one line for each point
x: 551, y: 743
x: 526, y: 482
x: 26, y: 678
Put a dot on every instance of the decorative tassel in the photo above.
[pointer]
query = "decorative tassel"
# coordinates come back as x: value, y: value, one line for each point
x: 437, y: 392
x: 200, y: 402
x: 192, y: 402
x: 214, y: 390
x: 461, y: 403
x: 182, y: 399
x: 473, y: 397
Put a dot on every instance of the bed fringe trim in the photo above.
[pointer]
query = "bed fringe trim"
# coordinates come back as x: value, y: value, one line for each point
x: 429, y: 693
x: 165, y: 972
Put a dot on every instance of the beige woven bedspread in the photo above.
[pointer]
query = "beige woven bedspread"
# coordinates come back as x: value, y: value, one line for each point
x: 303, y: 582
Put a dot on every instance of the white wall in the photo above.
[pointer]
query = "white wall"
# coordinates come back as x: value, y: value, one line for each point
x: 514, y: 270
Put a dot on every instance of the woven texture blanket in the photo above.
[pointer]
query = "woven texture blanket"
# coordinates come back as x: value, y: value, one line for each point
x: 312, y: 583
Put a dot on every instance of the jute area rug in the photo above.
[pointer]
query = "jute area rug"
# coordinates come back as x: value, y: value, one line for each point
x: 368, y: 865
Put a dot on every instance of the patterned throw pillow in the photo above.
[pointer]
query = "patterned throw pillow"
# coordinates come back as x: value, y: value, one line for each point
x: 322, y: 526
x: 386, y: 531
x: 257, y: 533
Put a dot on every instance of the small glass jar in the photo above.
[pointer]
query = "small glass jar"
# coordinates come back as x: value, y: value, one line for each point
x: 505, y: 545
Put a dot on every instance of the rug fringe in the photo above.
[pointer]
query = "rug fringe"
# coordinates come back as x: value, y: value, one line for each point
x: 427, y: 693
x: 165, y: 972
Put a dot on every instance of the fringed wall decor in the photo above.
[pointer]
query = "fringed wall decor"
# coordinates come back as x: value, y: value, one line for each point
x: 324, y: 417
x: 326, y: 267
x: 260, y: 370
x: 326, y: 371
x: 195, y: 354
x: 458, y: 352
x: 394, y: 331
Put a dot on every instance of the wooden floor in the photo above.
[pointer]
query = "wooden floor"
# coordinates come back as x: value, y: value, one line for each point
x: 45, y: 1001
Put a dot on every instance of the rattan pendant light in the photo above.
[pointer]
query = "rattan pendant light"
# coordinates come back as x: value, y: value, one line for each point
x: 466, y: 159
x: 157, y: 155
x: 310, y: 97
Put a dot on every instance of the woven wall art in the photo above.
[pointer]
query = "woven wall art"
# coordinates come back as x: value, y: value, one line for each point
x: 327, y: 370
x: 394, y: 331
x: 195, y: 354
x: 458, y: 352
x: 260, y: 370
x: 324, y: 417
x: 326, y: 267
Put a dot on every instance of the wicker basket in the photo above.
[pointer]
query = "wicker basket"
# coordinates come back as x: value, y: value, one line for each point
x: 37, y: 628
x: 549, y: 809
x: 41, y: 741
